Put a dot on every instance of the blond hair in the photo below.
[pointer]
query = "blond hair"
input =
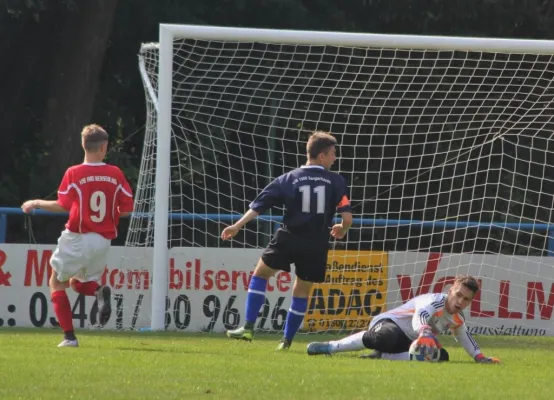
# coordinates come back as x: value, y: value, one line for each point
x: 93, y: 137
x: 319, y: 142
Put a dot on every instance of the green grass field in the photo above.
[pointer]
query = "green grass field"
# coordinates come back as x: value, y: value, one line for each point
x: 115, y: 365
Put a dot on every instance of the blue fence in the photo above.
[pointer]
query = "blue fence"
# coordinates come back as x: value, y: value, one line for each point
x: 548, y: 229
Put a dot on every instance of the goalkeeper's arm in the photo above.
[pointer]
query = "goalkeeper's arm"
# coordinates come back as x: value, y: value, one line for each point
x: 426, y: 342
x: 465, y: 338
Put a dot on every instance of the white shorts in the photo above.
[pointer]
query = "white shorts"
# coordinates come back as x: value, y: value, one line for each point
x: 81, y: 256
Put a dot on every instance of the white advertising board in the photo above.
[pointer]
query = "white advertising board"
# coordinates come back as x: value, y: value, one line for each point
x: 208, y: 287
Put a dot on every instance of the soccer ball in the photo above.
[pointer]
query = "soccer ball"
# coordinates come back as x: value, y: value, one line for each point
x: 417, y: 356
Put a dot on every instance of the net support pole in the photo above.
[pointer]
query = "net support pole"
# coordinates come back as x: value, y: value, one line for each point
x: 272, y: 138
x: 163, y: 148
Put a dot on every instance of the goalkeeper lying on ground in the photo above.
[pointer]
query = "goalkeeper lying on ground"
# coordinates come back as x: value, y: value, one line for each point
x: 416, y: 322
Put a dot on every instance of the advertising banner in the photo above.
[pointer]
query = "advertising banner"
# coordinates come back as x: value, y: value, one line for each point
x: 516, y: 297
x: 207, y: 289
x: 354, y: 291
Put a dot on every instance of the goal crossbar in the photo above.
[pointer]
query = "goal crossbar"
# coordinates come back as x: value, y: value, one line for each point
x: 415, y: 42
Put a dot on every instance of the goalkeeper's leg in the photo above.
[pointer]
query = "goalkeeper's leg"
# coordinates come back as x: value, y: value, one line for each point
x: 384, y: 336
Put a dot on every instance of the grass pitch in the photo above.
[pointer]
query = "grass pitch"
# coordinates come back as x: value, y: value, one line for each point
x: 122, y: 365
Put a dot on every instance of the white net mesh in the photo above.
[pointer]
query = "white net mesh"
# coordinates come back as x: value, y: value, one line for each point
x: 448, y: 154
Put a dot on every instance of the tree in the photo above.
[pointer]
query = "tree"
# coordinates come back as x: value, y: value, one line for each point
x: 74, y: 76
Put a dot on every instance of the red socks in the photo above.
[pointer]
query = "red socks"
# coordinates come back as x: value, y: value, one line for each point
x: 62, y: 308
x: 86, y: 288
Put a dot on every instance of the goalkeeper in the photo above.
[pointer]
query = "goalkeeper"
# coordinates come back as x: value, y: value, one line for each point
x: 416, y: 323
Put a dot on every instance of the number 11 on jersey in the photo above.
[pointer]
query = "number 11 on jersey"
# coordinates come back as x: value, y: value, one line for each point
x: 306, y: 191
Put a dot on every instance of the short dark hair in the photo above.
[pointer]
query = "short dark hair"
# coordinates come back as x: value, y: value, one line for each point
x: 469, y: 282
x: 319, y: 142
x: 93, y: 136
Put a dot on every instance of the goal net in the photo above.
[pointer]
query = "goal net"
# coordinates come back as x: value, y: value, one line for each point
x: 446, y: 144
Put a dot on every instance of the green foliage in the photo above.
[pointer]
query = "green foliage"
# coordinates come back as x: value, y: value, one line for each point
x: 33, y: 8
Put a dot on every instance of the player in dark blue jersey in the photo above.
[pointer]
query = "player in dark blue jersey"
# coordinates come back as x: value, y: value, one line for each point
x: 311, y: 195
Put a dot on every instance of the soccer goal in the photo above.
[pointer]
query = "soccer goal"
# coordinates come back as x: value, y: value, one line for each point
x: 446, y: 143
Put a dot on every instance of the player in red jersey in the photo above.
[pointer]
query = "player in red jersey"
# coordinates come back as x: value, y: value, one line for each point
x: 96, y: 195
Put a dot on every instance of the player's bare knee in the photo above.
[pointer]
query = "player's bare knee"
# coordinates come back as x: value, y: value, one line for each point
x: 264, y: 271
x: 55, y: 284
x: 53, y: 281
x: 301, y: 288
x: 73, y: 283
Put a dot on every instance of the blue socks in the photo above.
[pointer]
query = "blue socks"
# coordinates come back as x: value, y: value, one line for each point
x: 255, y: 298
x: 295, y: 316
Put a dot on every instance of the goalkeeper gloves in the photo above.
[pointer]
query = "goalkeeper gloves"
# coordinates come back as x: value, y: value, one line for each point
x: 480, y: 358
x: 427, y: 343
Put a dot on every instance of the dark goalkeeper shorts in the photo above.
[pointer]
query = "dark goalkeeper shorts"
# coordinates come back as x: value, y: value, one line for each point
x: 385, y: 336
x: 309, y: 256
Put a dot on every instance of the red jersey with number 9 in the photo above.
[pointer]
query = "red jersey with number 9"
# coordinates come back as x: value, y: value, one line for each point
x: 95, y: 194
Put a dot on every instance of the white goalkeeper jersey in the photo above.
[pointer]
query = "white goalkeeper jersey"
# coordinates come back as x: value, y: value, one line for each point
x: 428, y: 309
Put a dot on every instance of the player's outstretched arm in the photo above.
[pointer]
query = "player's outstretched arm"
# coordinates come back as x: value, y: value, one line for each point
x: 62, y: 204
x: 269, y: 197
x: 465, y: 338
x: 48, y: 205
x: 231, y: 231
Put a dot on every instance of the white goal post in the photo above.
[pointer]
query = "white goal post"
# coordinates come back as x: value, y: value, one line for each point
x: 533, y: 118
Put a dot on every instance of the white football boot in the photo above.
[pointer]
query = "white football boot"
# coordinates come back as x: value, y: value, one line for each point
x: 69, y: 343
